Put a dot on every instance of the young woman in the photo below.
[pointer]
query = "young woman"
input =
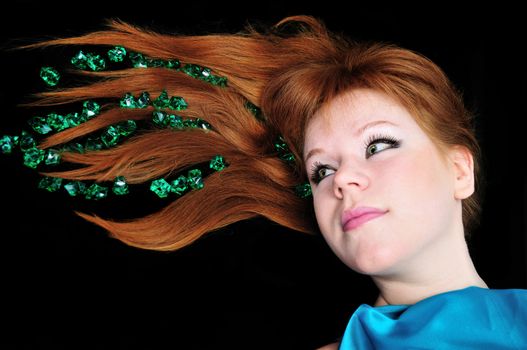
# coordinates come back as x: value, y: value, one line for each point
x: 231, y: 127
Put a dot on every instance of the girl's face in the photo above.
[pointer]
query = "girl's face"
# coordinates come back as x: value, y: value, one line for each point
x: 364, y: 149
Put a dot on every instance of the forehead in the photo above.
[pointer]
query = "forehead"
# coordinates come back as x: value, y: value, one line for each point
x: 354, y: 108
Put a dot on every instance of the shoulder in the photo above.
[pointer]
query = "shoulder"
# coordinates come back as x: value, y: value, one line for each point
x: 332, y: 346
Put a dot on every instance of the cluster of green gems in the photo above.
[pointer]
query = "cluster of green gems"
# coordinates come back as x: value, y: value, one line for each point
x: 302, y: 190
x: 177, y: 103
x: 94, y: 62
x: 192, y: 181
x: 77, y: 188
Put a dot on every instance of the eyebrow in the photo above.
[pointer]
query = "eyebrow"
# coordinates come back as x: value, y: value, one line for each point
x: 358, y: 132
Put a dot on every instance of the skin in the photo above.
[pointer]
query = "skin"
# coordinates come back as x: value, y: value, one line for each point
x: 417, y: 248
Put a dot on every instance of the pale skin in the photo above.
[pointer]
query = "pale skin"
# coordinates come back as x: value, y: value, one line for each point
x: 417, y: 249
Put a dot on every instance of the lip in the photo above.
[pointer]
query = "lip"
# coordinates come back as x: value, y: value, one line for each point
x: 352, y: 219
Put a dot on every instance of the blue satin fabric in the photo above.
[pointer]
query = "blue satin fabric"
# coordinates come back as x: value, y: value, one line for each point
x: 470, y: 318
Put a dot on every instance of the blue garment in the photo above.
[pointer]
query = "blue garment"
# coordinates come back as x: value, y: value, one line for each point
x: 470, y: 318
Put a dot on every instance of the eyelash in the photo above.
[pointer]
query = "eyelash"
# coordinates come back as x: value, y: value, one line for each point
x: 376, y: 138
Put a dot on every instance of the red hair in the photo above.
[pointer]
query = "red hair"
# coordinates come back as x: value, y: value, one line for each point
x: 291, y: 99
x: 289, y: 76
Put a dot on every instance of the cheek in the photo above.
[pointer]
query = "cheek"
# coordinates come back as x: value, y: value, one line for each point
x: 324, y: 211
x: 420, y: 190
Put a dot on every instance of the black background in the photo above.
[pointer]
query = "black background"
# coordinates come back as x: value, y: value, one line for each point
x: 254, y: 285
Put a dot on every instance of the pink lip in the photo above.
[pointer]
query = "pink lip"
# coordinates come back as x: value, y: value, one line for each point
x: 352, y: 219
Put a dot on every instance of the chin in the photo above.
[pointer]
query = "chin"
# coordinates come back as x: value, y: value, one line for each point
x: 375, y: 264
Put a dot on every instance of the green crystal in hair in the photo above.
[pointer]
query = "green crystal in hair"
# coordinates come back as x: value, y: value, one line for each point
x: 40, y: 125
x: 50, y: 75
x: 7, y: 143
x: 218, y: 163
x: 128, y: 101
x: 52, y: 157
x: 177, y: 103
x: 162, y: 101
x: 27, y: 141
x: 120, y: 187
x: 57, y: 122
x: 50, y: 184
x: 194, y: 179
x: 117, y: 54
x: 303, y: 190
x: 160, y: 187
x: 75, y: 188
x: 179, y: 185
x: 96, y: 191
x: 33, y: 157
x: 90, y: 109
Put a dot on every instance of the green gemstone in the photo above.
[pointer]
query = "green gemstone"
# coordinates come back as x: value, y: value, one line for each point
x: 280, y: 145
x: 303, y: 190
x: 7, y: 144
x: 50, y: 75
x: 74, y: 147
x: 160, y: 118
x: 138, y: 60
x: 50, y: 184
x: 163, y: 101
x: 154, y: 63
x: 161, y: 187
x: 179, y: 185
x: 27, y: 141
x: 204, y: 73
x: 80, y: 60
x: 33, y: 157
x: 117, y: 54
x: 90, y: 109
x: 74, y: 119
x: 110, y: 137
x: 52, y: 157
x: 95, y: 62
x: 143, y: 100
x: 177, y: 103
x: 218, y: 163
x: 255, y: 110
x: 93, y: 144
x: 172, y: 64
x: 40, y: 125
x: 96, y: 192
x: 190, y: 123
x: 175, y: 122
x: 201, y: 124
x: 218, y: 81
x: 194, y: 179
x: 128, y: 101
x: 120, y: 186
x: 288, y: 157
x: 57, y: 121
x: 127, y: 127
x: 75, y: 188
x: 192, y: 69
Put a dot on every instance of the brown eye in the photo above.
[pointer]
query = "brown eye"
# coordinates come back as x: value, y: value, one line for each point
x: 319, y: 172
x: 374, y: 148
x: 379, y: 143
x: 323, y: 172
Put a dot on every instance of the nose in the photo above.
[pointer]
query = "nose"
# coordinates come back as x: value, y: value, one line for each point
x: 349, y: 179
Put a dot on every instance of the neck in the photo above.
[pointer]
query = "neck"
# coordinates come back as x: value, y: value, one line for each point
x: 429, y: 275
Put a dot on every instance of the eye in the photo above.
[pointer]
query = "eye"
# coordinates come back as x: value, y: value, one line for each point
x: 378, y: 143
x: 319, y: 171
